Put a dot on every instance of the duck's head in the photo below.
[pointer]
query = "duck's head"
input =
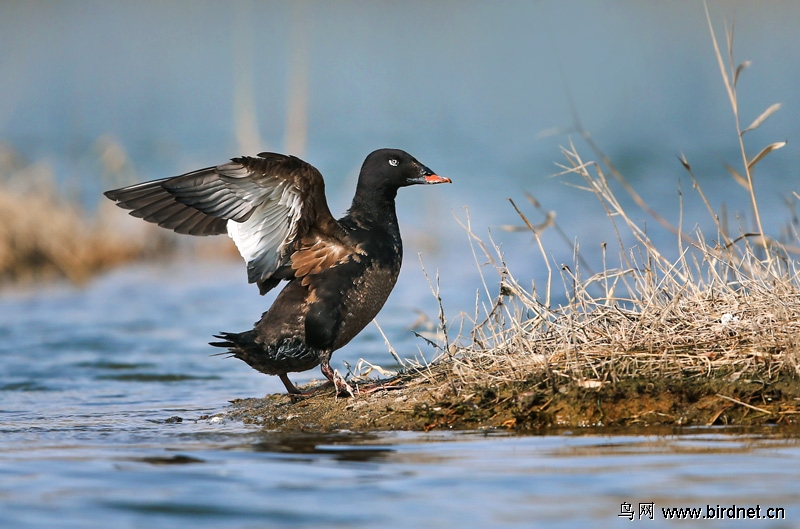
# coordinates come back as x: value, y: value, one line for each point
x: 392, y: 169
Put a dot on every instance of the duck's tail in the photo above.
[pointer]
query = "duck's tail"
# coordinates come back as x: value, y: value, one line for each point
x: 237, y: 343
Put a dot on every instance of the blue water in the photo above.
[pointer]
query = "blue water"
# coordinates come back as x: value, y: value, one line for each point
x: 111, y: 415
x: 479, y: 92
x: 93, y: 377
x: 225, y: 476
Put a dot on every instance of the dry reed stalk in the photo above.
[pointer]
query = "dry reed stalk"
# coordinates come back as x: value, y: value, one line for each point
x: 727, y: 310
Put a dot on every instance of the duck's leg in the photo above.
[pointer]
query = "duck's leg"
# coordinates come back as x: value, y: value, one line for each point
x: 343, y: 389
x: 295, y: 395
x: 289, y: 386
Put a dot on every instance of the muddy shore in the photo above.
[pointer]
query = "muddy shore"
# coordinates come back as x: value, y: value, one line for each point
x: 534, y: 405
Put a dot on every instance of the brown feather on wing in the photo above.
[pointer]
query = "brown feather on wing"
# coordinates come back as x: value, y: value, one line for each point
x: 267, y: 205
x: 320, y: 254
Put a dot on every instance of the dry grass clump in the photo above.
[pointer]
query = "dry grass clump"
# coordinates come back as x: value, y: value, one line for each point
x: 716, y: 311
x: 728, y: 309
x: 44, y: 235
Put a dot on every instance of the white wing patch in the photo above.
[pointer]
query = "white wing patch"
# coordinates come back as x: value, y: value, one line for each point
x: 262, y: 238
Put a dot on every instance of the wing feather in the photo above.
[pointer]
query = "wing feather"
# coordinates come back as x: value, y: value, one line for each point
x: 265, y: 204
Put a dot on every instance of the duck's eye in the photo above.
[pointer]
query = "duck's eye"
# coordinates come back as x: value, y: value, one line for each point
x: 393, y: 162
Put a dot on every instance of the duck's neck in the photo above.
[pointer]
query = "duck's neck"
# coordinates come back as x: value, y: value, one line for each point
x: 375, y: 207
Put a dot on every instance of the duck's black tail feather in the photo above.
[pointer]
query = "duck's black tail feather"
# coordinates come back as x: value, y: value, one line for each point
x: 236, y: 343
x: 278, y: 358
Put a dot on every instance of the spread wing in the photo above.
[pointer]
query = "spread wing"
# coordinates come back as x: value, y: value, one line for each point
x: 267, y: 205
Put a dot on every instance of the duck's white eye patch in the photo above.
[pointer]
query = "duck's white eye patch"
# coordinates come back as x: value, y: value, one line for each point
x: 393, y: 162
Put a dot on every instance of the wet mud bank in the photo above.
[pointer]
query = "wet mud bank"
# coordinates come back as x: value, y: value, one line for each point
x: 536, y: 404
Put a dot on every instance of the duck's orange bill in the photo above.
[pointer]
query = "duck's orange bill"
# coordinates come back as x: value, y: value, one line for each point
x: 436, y: 179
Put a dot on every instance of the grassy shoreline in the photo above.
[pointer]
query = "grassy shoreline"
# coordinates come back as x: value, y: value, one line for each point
x: 712, y: 338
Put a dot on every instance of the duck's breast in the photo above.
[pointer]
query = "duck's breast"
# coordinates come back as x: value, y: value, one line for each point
x: 364, y: 298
